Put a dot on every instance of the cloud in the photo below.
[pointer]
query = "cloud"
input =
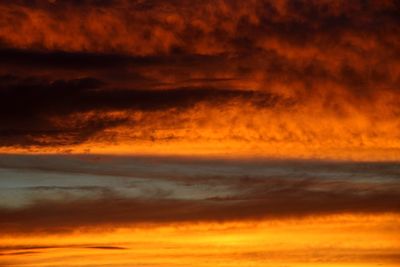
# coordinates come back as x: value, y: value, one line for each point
x: 32, y: 109
x: 136, y: 191
x: 313, y: 76
x: 191, y: 25
x: 54, y: 216
x: 33, y: 249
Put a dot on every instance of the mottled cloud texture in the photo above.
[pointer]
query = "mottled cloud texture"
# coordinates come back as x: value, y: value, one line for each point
x: 274, y: 78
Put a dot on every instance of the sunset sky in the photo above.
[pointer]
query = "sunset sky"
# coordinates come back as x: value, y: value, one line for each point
x: 199, y: 133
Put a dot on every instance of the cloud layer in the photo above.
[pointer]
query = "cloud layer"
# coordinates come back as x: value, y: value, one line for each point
x: 53, y: 194
x: 272, y: 78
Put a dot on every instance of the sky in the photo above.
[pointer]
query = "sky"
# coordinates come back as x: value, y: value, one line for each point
x: 200, y: 133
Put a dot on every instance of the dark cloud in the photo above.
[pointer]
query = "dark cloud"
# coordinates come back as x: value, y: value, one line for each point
x: 277, y: 68
x: 61, y: 97
x: 28, y: 106
x: 55, y: 3
x: 30, y: 249
x: 92, y: 60
x: 251, y: 199
x: 141, y: 190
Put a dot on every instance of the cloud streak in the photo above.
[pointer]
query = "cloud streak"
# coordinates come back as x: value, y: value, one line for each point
x: 140, y: 191
x: 281, y: 202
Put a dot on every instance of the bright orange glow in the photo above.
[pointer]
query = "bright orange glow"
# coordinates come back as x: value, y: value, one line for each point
x: 336, y: 240
x: 242, y: 130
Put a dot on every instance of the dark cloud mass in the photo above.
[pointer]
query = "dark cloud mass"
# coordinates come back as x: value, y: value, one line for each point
x: 32, y: 107
x: 50, y: 216
x: 136, y: 191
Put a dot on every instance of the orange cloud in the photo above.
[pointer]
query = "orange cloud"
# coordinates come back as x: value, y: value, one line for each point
x: 297, y: 79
